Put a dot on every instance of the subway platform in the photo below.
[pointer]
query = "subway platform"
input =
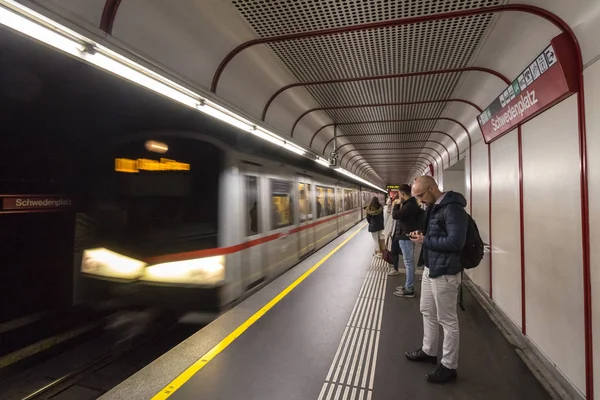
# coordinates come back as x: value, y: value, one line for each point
x: 331, y: 329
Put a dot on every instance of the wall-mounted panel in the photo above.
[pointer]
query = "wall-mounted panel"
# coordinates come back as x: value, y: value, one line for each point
x: 553, y: 255
x: 592, y: 102
x: 506, y: 273
x: 480, y: 213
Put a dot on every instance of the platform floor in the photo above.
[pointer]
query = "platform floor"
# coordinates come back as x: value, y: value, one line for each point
x: 340, y: 334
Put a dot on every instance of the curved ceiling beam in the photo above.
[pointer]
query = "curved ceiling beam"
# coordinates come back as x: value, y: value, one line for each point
x: 387, y: 155
x: 109, y: 13
x: 384, y: 24
x: 380, y: 77
x: 404, y: 168
x: 391, y: 161
x: 369, y: 105
x: 405, y: 141
x: 369, y: 153
x: 391, y: 121
x: 384, y: 164
x: 395, y: 134
x: 398, y: 150
x: 387, y: 152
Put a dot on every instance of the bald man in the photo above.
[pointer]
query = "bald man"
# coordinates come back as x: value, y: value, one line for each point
x: 443, y: 240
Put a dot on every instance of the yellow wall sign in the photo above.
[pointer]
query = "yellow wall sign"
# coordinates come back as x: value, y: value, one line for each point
x: 143, y: 164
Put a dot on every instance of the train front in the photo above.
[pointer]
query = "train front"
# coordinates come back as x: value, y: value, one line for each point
x: 152, y: 226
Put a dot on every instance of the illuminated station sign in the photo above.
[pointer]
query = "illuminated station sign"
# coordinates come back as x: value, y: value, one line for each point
x: 549, y: 78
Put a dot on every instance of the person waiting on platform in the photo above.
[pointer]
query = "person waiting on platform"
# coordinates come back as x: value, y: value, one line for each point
x: 443, y: 240
x: 406, y: 213
x: 375, y: 219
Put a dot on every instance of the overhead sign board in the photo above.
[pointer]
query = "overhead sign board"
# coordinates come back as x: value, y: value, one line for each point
x: 392, y: 187
x: 551, y: 77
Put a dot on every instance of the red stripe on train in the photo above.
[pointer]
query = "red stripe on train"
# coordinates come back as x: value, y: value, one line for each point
x: 221, y: 251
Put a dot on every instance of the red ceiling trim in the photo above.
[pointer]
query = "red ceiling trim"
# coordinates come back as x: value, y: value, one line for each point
x: 396, y: 134
x: 369, y: 105
x: 390, y: 121
x: 109, y: 13
x: 380, y: 77
x: 384, y: 164
x: 369, y: 152
x: 386, y: 155
x: 399, y: 151
x: 410, y: 148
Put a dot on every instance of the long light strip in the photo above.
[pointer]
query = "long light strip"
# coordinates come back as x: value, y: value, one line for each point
x: 24, y: 20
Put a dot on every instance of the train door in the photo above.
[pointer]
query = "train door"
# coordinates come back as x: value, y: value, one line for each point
x: 306, y: 233
x: 254, y: 260
x: 283, y: 251
x: 339, y: 205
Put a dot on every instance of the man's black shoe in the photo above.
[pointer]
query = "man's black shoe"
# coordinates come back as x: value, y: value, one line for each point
x: 441, y: 374
x: 420, y: 355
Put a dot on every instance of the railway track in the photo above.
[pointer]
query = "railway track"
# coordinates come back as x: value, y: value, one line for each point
x: 97, y: 366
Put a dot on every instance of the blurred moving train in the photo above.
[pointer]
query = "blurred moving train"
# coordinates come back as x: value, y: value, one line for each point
x: 190, y: 222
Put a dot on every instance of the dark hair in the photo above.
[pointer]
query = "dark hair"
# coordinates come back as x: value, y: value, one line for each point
x: 405, y: 189
x: 374, y: 203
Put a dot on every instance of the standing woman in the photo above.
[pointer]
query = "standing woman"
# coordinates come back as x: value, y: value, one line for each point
x: 375, y: 220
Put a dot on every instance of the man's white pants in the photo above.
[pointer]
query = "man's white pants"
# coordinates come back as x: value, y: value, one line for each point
x: 438, y: 306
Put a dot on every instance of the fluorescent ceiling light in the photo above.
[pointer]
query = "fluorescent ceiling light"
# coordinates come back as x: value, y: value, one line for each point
x: 38, y: 31
x: 322, y: 161
x: 294, y: 149
x: 37, y: 26
x: 268, y: 136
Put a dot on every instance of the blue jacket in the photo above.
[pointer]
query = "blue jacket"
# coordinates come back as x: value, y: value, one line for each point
x: 445, y: 235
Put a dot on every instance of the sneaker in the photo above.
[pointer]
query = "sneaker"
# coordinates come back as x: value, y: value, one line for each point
x: 405, y: 293
x: 420, y: 355
x: 393, y: 272
x: 441, y: 374
x: 399, y: 288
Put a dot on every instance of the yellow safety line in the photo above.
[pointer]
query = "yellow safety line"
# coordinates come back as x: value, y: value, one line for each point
x: 212, y: 353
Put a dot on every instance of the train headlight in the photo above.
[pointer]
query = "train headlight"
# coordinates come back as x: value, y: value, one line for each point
x: 103, y: 262
x: 201, y: 271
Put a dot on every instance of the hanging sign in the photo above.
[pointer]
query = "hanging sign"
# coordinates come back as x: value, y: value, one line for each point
x: 551, y: 77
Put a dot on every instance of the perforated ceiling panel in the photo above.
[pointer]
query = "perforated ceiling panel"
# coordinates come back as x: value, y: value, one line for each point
x: 419, y: 47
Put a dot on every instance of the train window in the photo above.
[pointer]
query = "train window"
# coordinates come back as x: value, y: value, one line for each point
x: 305, y: 201
x: 325, y: 201
x: 281, y: 207
x: 252, y: 227
x: 348, y: 200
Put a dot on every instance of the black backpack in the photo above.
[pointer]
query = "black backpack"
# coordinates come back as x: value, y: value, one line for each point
x: 472, y: 253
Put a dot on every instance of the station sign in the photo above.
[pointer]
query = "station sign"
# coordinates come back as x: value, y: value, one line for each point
x: 25, y: 203
x: 551, y: 77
